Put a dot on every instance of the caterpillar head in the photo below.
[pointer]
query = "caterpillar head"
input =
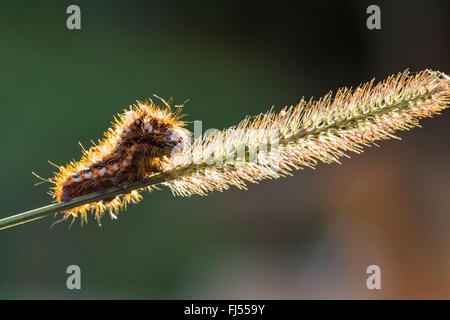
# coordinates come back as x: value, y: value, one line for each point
x: 159, y: 132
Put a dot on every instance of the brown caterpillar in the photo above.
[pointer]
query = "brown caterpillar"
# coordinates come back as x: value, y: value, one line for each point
x: 141, y: 142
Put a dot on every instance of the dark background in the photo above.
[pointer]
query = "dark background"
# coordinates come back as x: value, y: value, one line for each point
x: 307, y: 236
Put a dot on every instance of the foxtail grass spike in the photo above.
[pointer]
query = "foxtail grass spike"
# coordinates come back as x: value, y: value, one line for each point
x: 269, y: 145
x: 310, y: 132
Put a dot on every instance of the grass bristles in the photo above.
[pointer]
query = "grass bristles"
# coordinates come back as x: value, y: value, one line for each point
x: 272, y: 144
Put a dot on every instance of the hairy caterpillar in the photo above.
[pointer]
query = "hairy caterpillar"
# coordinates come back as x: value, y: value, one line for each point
x: 140, y: 143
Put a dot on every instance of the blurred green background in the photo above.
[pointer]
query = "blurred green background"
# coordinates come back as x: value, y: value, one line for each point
x: 307, y: 236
